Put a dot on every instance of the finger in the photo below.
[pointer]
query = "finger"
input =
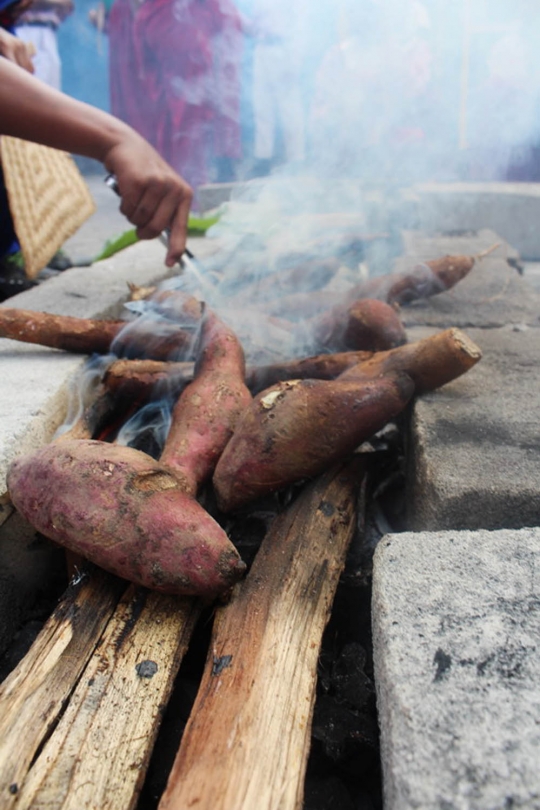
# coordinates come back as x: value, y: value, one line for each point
x: 24, y: 60
x: 179, y: 227
x: 149, y: 202
x: 130, y: 198
x: 161, y: 219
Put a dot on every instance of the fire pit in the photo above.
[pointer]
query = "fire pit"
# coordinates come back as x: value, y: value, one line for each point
x: 110, y: 632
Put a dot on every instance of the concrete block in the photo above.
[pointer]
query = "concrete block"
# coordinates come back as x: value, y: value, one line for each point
x: 456, y: 623
x: 510, y: 209
x: 213, y: 195
x: 474, y: 445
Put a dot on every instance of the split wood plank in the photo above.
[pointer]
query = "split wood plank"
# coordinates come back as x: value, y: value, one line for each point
x: 97, y: 757
x: 33, y: 696
x: 247, y: 740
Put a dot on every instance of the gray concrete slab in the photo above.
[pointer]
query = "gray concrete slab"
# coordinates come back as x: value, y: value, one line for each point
x: 510, y: 209
x: 107, y: 223
x: 531, y: 273
x: 474, y: 445
x: 456, y: 624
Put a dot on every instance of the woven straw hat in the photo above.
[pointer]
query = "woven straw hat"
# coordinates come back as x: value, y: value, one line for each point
x: 48, y: 199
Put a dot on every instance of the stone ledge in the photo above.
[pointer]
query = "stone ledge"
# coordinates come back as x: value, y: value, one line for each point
x: 456, y: 622
x: 474, y: 445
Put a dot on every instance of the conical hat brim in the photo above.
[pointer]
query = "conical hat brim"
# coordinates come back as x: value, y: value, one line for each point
x: 48, y: 199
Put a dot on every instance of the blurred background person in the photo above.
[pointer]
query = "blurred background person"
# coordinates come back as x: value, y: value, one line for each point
x: 279, y: 28
x: 175, y: 77
x: 12, y: 277
x: 373, y: 103
x: 38, y: 25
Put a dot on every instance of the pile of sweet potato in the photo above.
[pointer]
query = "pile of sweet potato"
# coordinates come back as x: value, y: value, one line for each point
x: 141, y: 518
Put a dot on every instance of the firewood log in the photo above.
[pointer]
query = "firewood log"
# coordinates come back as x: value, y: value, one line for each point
x: 33, y: 696
x: 247, y: 740
x: 80, y: 714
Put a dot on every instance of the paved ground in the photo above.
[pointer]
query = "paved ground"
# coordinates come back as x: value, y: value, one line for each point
x: 107, y: 223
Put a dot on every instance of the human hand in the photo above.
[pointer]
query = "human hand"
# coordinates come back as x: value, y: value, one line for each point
x: 154, y: 196
x: 15, y: 50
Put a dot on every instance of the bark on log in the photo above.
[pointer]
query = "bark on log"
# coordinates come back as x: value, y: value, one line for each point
x: 247, y: 740
x: 80, y: 714
x: 157, y: 340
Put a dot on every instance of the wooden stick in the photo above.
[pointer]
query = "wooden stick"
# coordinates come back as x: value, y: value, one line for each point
x: 487, y: 251
x: 32, y: 697
x: 247, y: 740
x: 98, y: 754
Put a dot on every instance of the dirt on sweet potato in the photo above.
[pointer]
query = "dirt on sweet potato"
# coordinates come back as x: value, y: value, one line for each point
x: 127, y: 513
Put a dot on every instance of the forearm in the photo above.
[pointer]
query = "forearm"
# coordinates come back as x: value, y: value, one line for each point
x: 35, y: 112
x: 154, y: 196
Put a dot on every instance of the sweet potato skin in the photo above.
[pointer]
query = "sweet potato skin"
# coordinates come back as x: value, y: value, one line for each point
x: 165, y: 341
x: 209, y: 408
x: 125, y: 512
x: 430, y: 363
x: 365, y: 324
x: 423, y: 280
x: 294, y: 430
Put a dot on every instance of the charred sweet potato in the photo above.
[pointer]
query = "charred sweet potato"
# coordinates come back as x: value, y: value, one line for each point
x: 294, y: 430
x: 125, y: 512
x: 138, y: 379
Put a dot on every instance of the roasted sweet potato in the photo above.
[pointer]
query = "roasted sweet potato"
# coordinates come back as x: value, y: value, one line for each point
x: 208, y: 409
x: 423, y: 280
x: 365, y: 324
x: 294, y: 430
x: 125, y: 512
x: 137, y: 379
x: 317, y: 367
x: 430, y: 363
x: 140, y: 338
